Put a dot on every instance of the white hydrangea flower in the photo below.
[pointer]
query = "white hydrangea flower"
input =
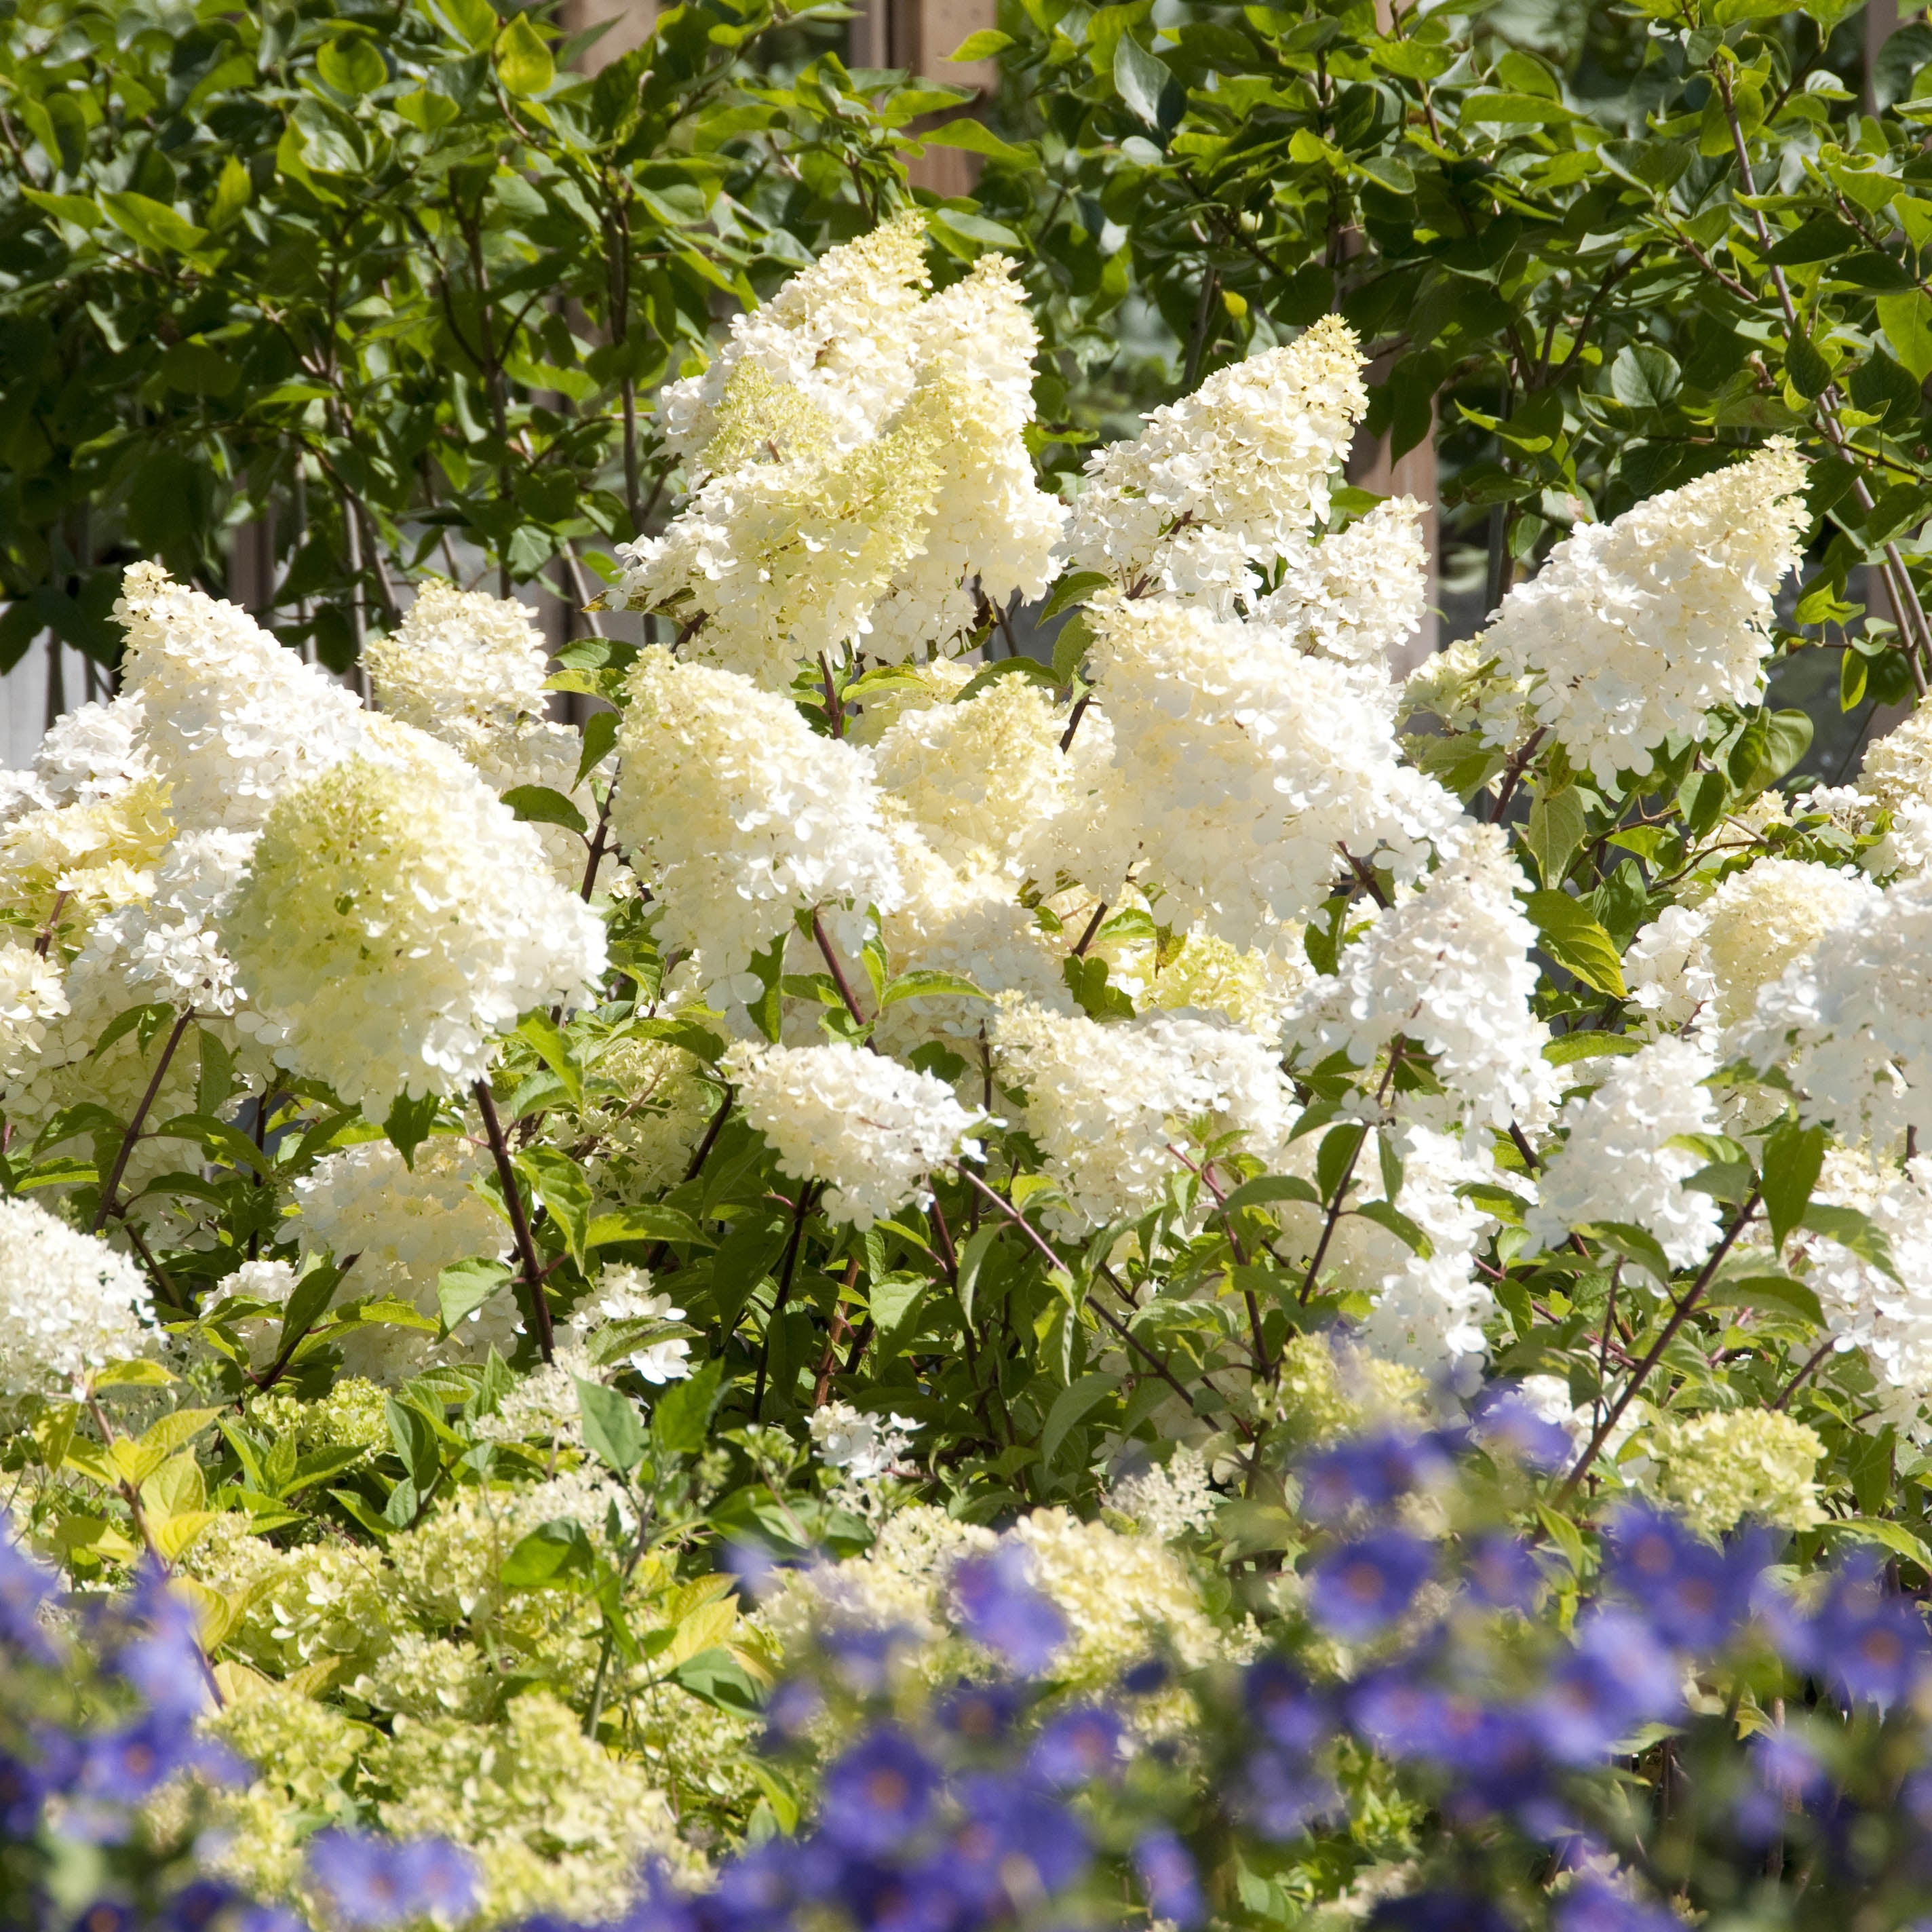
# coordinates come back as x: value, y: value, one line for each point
x: 1170, y: 1499
x: 92, y: 752
x: 1235, y: 474
x: 1463, y: 686
x: 1759, y: 920
x: 1246, y: 765
x: 1850, y: 1019
x: 981, y: 780
x: 1104, y: 1103
x: 1358, y: 595
x: 462, y: 666
x: 32, y: 992
x: 1896, y: 777
x: 397, y: 917
x: 871, y: 1129
x: 1428, y: 1310
x: 1447, y: 969
x: 1889, y: 1320
x: 1634, y: 629
x: 1614, y: 1166
x: 741, y: 816
x: 1718, y: 1469
x: 71, y: 1303
x: 1667, y: 968
x: 862, y: 1447
x: 625, y: 1294
x: 837, y: 332
x: 270, y: 1281
x: 405, y: 1226
x: 230, y: 719
x: 865, y: 487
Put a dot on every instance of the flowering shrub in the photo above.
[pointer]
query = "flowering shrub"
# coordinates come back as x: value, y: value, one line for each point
x: 553, y: 1252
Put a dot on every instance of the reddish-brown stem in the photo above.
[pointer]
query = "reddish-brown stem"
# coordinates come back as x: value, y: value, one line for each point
x: 535, y: 1306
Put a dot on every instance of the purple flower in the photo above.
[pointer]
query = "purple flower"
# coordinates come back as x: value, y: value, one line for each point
x: 1440, y: 1912
x: 1505, y: 1421
x: 1694, y: 1595
x: 108, y: 1915
x: 373, y: 1882
x: 199, y: 1903
x: 1000, y: 1607
x: 1397, y: 1715
x: 1167, y: 1876
x: 1013, y: 1845
x: 1144, y: 1678
x: 1291, y: 1714
x: 1616, y: 1677
x: 790, y: 1708
x: 24, y: 1587
x: 1077, y: 1746
x: 1502, y: 1573
x: 1785, y: 1772
x: 1591, y: 1906
x: 123, y: 1766
x: 1282, y: 1796
x: 981, y: 1713
x: 1373, y: 1470
x: 878, y: 1793
x: 863, y: 1653
x: 1363, y: 1586
x: 1870, y: 1644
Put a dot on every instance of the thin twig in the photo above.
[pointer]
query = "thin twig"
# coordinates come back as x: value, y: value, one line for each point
x: 108, y: 1204
x: 800, y: 1208
x: 538, y: 1308
x: 836, y: 968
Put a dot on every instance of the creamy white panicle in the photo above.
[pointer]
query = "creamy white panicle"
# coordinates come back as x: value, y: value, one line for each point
x: 69, y: 1304
x: 623, y: 1293
x: 1896, y: 777
x: 1446, y: 969
x: 1634, y: 629
x: 1667, y: 968
x: 871, y: 1129
x: 1428, y: 1309
x: 1230, y: 477
x: 462, y: 666
x: 860, y: 1446
x: 397, y: 917
x: 93, y: 752
x: 1359, y: 594
x: 31, y: 994
x: 1613, y: 1164
x: 740, y: 815
x: 1106, y: 1102
x: 1759, y: 920
x: 230, y: 719
x: 1850, y: 1020
x: 861, y: 472
x: 1888, y: 1316
x: 1242, y: 766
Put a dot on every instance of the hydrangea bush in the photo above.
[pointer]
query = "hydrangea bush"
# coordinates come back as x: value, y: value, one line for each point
x: 901, y: 1280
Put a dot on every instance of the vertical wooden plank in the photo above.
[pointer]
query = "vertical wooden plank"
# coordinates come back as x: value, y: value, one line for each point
x: 631, y: 22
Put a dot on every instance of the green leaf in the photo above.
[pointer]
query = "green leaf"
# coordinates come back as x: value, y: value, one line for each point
x: 1556, y: 829
x: 681, y: 1417
x: 473, y: 21
x: 1385, y: 1215
x: 1886, y: 1534
x: 553, y: 1556
x: 75, y: 209
x: 975, y: 230
x: 538, y: 804
x: 1634, y: 1243
x: 307, y: 1304
x: 927, y: 982
x: 600, y: 737
x: 352, y: 64
x: 1644, y: 377
x: 1070, y: 1405
x: 972, y: 1258
x: 523, y: 61
x: 612, y: 1426
x: 1266, y: 1187
x: 1576, y: 942
x: 152, y: 224
x: 1804, y: 363
x: 976, y: 138
x: 463, y: 1287
x: 1335, y: 1159
x: 982, y: 46
x: 563, y: 1187
x: 1793, y: 1156
x: 1074, y: 586
x: 1780, y: 1293
x: 408, y: 1124
x: 1768, y: 746
x: 652, y: 1221
x: 1141, y: 79
x: 554, y: 1049
x: 1906, y: 319
x: 414, y: 1441
x: 1853, y: 1230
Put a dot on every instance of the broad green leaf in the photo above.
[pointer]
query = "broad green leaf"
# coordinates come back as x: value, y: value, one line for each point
x: 177, y: 1429
x: 1644, y: 377
x: 600, y: 739
x: 554, y: 1049
x: 524, y: 63
x: 307, y: 1304
x: 413, y: 1440
x: 1070, y: 1405
x: 352, y: 64
x: 976, y: 138
x: 612, y: 1426
x: 1906, y: 319
x: 554, y: 1555
x: 1576, y: 942
x: 1853, y: 1230
x: 926, y: 982
x: 1778, y: 1292
x: 153, y: 224
x: 1142, y: 78
x: 653, y: 1221
x: 1633, y: 1244
x: 463, y: 1287
x: 681, y: 1417
x: 1556, y: 829
x: 1398, y: 1224
x: 1793, y: 1156
x: 562, y: 1186
x: 540, y: 805
x: 982, y: 46
x: 408, y: 1124
x: 1267, y: 1187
